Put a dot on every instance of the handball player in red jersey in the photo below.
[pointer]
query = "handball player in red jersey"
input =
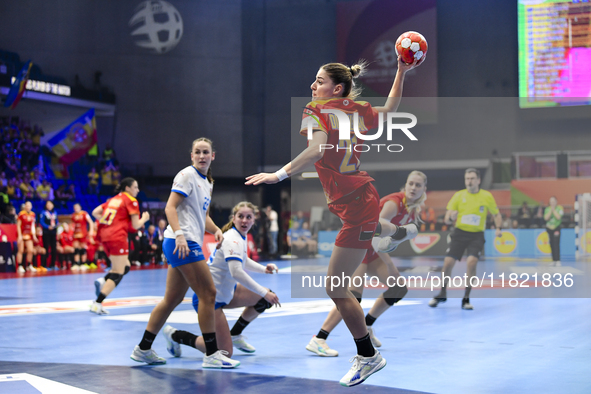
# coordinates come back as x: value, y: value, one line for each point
x: 115, y: 217
x: 349, y: 192
x: 83, y: 230
x: 25, y: 227
x: 399, y: 208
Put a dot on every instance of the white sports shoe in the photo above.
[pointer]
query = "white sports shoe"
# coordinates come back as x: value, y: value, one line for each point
x: 363, y: 368
x: 239, y: 342
x: 372, y: 335
x: 319, y: 346
x: 219, y: 360
x: 30, y: 268
x: 389, y: 244
x: 173, y: 347
x: 21, y: 269
x: 75, y: 267
x: 98, y: 285
x: 98, y: 309
x: 146, y: 356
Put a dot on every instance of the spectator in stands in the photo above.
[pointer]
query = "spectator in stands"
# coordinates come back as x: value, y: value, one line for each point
x: 93, y: 181
x: 71, y: 192
x: 273, y: 229
x: 553, y: 216
x: 538, y: 218
x: 4, y: 200
x: 25, y: 187
x: 3, y: 180
x: 300, y: 240
x: 49, y: 222
x: 107, y: 179
x: 12, y: 189
x: 61, y: 196
x: 152, y: 246
x: 524, y: 215
x: 115, y: 175
x: 428, y: 218
x: 299, y: 217
x: 9, y: 215
x: 45, y: 191
x: 108, y: 154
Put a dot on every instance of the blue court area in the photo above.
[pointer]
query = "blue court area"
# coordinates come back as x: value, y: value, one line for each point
x: 504, y: 345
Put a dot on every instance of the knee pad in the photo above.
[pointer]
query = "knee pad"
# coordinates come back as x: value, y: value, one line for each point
x: 357, y: 295
x: 76, y: 252
x: 81, y: 252
x: 394, y: 294
x: 262, y: 305
x: 127, y: 269
x: 114, y: 277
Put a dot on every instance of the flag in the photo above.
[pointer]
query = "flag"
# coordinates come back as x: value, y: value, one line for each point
x: 72, y: 143
x: 18, y: 87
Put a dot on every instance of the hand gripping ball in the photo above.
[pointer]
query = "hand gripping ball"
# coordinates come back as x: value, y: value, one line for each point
x: 410, y: 46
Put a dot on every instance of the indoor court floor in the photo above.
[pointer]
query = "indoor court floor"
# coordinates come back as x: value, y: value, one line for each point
x: 51, y: 343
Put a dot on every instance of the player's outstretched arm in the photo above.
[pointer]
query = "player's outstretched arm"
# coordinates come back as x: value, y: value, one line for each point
x: 310, y: 155
x: 395, y: 95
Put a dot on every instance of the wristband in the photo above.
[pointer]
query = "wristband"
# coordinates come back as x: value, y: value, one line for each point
x: 178, y: 232
x: 281, y: 174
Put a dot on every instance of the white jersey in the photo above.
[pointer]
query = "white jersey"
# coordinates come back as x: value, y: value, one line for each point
x: 192, y: 211
x: 234, y: 247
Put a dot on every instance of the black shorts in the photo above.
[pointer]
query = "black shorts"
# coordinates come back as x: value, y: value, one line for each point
x: 465, y: 240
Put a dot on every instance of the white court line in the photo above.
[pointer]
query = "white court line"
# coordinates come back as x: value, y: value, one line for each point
x: 286, y: 309
x: 45, y: 386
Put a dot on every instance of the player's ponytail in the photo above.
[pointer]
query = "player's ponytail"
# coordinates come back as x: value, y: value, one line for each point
x: 209, y: 176
x: 241, y: 204
x: 341, y: 74
x: 416, y: 206
x: 125, y: 182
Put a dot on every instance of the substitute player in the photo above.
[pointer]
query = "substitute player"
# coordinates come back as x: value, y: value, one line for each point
x: 83, y: 229
x: 65, y: 250
x: 399, y: 208
x: 349, y: 192
x: 468, y: 208
x: 234, y: 288
x: 25, y: 227
x: 187, y: 211
x: 115, y: 217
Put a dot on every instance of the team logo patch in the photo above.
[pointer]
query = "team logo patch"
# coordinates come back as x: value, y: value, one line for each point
x: 482, y: 208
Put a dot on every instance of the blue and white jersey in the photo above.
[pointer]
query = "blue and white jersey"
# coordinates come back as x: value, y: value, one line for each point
x: 234, y: 248
x: 192, y: 211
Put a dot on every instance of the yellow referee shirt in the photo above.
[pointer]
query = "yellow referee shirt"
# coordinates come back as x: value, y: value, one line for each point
x: 472, y: 209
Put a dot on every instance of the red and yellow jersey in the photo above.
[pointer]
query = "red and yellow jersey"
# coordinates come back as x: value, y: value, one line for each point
x: 66, y: 238
x: 80, y: 222
x: 27, y: 220
x: 39, y: 235
x: 116, y: 220
x: 338, y: 170
x: 403, y: 216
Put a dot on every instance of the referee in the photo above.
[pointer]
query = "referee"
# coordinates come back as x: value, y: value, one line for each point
x: 468, y: 208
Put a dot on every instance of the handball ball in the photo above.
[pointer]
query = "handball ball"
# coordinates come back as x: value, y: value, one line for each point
x: 410, y: 46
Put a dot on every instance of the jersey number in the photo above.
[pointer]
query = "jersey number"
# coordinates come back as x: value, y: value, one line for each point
x: 108, y: 216
x: 346, y: 165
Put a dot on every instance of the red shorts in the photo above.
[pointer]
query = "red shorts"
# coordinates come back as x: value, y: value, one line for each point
x: 116, y: 248
x: 82, y: 239
x: 370, y: 256
x: 360, y: 214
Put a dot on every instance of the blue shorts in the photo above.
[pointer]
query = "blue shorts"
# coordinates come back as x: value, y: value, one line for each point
x: 195, y: 254
x: 218, y: 305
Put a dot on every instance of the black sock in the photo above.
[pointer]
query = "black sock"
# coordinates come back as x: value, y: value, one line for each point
x: 400, y: 233
x: 44, y: 260
x: 101, y: 297
x: 322, y: 334
x: 467, y: 293
x: 184, y: 338
x: 211, y: 345
x: 369, y: 320
x: 364, y: 347
x: 239, y: 326
x: 147, y: 340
